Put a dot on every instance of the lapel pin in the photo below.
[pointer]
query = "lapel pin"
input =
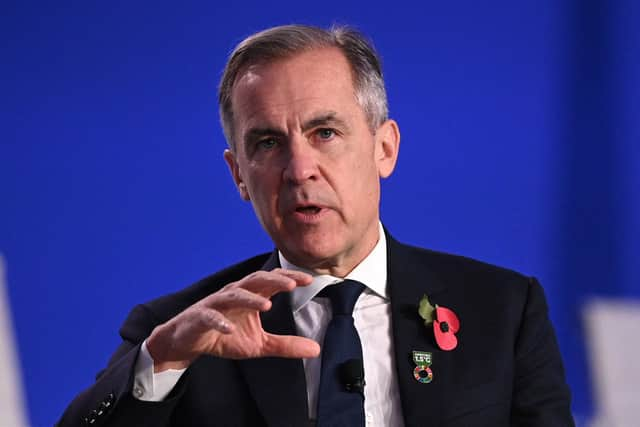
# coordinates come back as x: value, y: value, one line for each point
x: 422, y: 372
x: 445, y: 323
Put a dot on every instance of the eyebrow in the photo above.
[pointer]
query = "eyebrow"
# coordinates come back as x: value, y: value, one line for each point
x: 257, y: 133
x: 323, y: 119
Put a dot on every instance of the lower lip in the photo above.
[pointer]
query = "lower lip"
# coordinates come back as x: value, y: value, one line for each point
x: 308, y: 217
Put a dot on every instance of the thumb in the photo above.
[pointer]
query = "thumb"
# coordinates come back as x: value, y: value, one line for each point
x: 291, y: 346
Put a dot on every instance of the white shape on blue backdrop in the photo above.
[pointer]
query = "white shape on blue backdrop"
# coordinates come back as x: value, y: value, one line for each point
x: 613, y: 338
x: 12, y: 410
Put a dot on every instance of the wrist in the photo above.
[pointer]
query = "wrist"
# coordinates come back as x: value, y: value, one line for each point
x: 159, y: 351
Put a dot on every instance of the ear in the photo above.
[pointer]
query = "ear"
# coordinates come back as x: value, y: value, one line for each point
x: 387, y: 140
x: 234, y: 169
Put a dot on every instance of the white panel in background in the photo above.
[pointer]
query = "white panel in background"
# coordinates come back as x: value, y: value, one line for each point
x: 613, y: 335
x: 12, y: 412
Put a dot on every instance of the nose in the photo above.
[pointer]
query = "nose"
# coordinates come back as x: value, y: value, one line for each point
x: 301, y: 163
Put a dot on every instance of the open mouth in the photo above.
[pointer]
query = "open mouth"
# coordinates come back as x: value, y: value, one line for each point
x: 308, y: 210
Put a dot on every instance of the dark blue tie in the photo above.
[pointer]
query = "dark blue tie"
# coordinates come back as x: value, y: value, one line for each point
x: 340, y: 402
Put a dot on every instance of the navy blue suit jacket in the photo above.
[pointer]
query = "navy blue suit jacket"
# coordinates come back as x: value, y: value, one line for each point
x: 505, y: 371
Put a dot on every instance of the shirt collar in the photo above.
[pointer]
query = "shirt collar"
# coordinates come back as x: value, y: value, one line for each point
x: 372, y: 271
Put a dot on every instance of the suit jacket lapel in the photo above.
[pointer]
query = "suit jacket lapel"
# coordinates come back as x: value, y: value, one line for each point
x: 278, y: 385
x: 408, y: 280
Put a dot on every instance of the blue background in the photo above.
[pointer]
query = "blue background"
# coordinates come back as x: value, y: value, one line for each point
x: 520, y: 147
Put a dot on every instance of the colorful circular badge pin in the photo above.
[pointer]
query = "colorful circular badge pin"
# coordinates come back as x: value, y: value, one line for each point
x: 422, y: 372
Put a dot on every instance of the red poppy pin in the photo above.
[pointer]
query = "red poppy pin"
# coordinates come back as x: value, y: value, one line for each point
x: 445, y: 323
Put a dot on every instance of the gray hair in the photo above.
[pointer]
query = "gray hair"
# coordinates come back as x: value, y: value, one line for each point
x: 286, y: 41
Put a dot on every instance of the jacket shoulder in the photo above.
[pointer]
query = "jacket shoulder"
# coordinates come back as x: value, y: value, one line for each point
x: 447, y: 263
x: 460, y: 273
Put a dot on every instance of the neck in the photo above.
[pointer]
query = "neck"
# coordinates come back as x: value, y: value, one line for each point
x: 339, y: 266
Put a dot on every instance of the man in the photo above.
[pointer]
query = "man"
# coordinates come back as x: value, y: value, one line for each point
x: 304, y: 112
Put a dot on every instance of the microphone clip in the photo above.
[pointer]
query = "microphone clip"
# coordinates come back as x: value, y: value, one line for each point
x: 352, y: 376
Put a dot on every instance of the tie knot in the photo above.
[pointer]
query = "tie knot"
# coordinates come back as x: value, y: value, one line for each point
x: 343, y: 296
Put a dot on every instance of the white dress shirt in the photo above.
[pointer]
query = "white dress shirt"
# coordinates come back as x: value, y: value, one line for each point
x: 372, y: 318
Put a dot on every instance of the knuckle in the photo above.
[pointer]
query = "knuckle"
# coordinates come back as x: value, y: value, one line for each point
x: 210, y: 317
x: 259, y: 275
x: 236, y: 296
x: 233, y: 294
x: 232, y: 285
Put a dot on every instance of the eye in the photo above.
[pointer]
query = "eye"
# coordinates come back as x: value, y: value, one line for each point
x: 266, y: 144
x: 325, y: 133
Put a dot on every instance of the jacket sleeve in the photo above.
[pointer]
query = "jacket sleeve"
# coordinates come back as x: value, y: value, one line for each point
x: 541, y: 396
x: 109, y: 401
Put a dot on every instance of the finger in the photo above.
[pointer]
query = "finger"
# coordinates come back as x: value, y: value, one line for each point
x: 301, y: 278
x: 290, y: 346
x: 237, y: 298
x: 266, y: 283
x: 269, y: 283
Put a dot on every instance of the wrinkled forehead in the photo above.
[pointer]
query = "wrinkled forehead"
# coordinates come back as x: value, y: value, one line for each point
x: 300, y: 65
x: 262, y: 59
x: 320, y: 76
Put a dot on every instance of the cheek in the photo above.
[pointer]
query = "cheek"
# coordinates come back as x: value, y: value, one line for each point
x: 365, y: 173
x: 361, y: 189
x: 264, y: 190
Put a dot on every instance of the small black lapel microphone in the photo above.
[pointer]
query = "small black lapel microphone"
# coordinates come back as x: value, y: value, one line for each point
x: 352, y: 376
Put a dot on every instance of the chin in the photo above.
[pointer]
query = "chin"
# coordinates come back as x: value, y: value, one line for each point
x: 310, y: 254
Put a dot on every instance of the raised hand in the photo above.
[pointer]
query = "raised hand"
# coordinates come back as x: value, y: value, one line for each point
x: 227, y: 324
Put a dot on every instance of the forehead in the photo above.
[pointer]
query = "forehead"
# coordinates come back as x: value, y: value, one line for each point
x: 315, y: 79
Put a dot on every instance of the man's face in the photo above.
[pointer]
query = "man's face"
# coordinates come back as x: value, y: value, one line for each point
x: 308, y: 161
